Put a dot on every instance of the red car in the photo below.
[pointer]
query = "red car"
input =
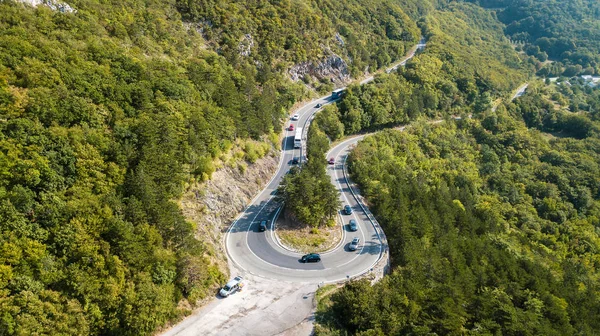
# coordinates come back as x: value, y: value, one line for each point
x: 331, y: 161
x: 291, y: 127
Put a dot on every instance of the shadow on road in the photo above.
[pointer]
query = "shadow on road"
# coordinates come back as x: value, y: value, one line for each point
x: 342, y: 182
x: 371, y: 247
x: 255, y: 213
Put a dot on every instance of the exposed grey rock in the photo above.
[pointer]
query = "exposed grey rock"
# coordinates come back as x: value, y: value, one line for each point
x: 339, y: 38
x: 53, y: 4
x: 245, y: 46
x: 332, y: 66
x: 213, y: 205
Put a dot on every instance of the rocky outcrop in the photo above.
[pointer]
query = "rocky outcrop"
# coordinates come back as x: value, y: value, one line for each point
x: 245, y: 45
x: 339, y: 39
x: 214, y: 204
x: 53, y: 4
x: 332, y: 66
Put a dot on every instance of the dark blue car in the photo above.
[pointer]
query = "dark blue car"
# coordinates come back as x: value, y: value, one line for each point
x: 352, y: 225
x: 262, y: 226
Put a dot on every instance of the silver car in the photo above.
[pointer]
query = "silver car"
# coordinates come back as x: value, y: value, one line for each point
x: 354, y: 244
x: 231, y: 287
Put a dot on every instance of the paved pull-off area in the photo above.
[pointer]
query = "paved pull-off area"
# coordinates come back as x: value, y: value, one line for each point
x: 277, y: 298
x: 263, y: 307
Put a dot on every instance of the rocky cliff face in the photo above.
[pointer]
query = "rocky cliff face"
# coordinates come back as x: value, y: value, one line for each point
x: 245, y: 46
x: 55, y: 5
x: 214, y: 204
x: 333, y: 66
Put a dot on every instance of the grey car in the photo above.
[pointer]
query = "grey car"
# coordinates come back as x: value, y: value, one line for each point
x: 352, y: 225
x: 354, y: 244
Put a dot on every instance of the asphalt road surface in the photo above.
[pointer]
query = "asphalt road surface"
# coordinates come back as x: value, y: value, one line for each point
x: 260, y: 253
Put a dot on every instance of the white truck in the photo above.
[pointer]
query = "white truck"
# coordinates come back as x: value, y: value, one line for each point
x: 298, y: 138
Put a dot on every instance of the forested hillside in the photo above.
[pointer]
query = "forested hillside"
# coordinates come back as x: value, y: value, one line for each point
x: 492, y: 222
x: 560, y: 30
x: 492, y: 227
x: 467, y: 63
x: 541, y: 109
x: 109, y: 111
x: 367, y: 34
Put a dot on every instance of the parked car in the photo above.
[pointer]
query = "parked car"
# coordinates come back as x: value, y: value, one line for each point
x: 262, y: 226
x: 331, y: 161
x: 232, y: 286
x: 347, y: 210
x: 295, y: 160
x: 311, y: 257
x: 291, y: 128
x: 319, y: 105
x: 354, y: 244
x: 352, y: 225
x: 296, y: 116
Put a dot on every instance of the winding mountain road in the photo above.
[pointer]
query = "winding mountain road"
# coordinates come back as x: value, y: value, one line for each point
x: 520, y: 91
x: 260, y: 253
x: 278, y: 299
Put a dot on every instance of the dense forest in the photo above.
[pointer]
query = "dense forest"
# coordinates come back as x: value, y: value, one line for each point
x: 541, y: 109
x: 308, y: 193
x: 369, y: 33
x: 109, y: 111
x: 467, y: 62
x: 466, y: 65
x: 493, y: 228
x: 492, y: 221
x: 558, y: 30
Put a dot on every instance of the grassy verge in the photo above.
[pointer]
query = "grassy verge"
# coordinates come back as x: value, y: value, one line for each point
x: 324, y: 320
x: 305, y: 239
x: 309, y: 240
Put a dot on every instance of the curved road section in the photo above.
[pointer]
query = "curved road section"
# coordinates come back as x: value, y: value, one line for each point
x: 259, y: 253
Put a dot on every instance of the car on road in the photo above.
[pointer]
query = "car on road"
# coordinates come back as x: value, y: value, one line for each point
x: 354, y: 244
x: 311, y: 257
x: 319, y: 105
x: 291, y: 128
x: 331, y: 161
x: 347, y: 210
x: 295, y: 160
x: 262, y: 226
x: 232, y: 286
x: 352, y: 225
x: 296, y: 116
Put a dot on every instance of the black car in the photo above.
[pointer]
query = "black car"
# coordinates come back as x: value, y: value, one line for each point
x: 348, y: 210
x: 352, y: 225
x: 262, y: 226
x: 319, y: 105
x: 311, y: 257
x: 295, y: 160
